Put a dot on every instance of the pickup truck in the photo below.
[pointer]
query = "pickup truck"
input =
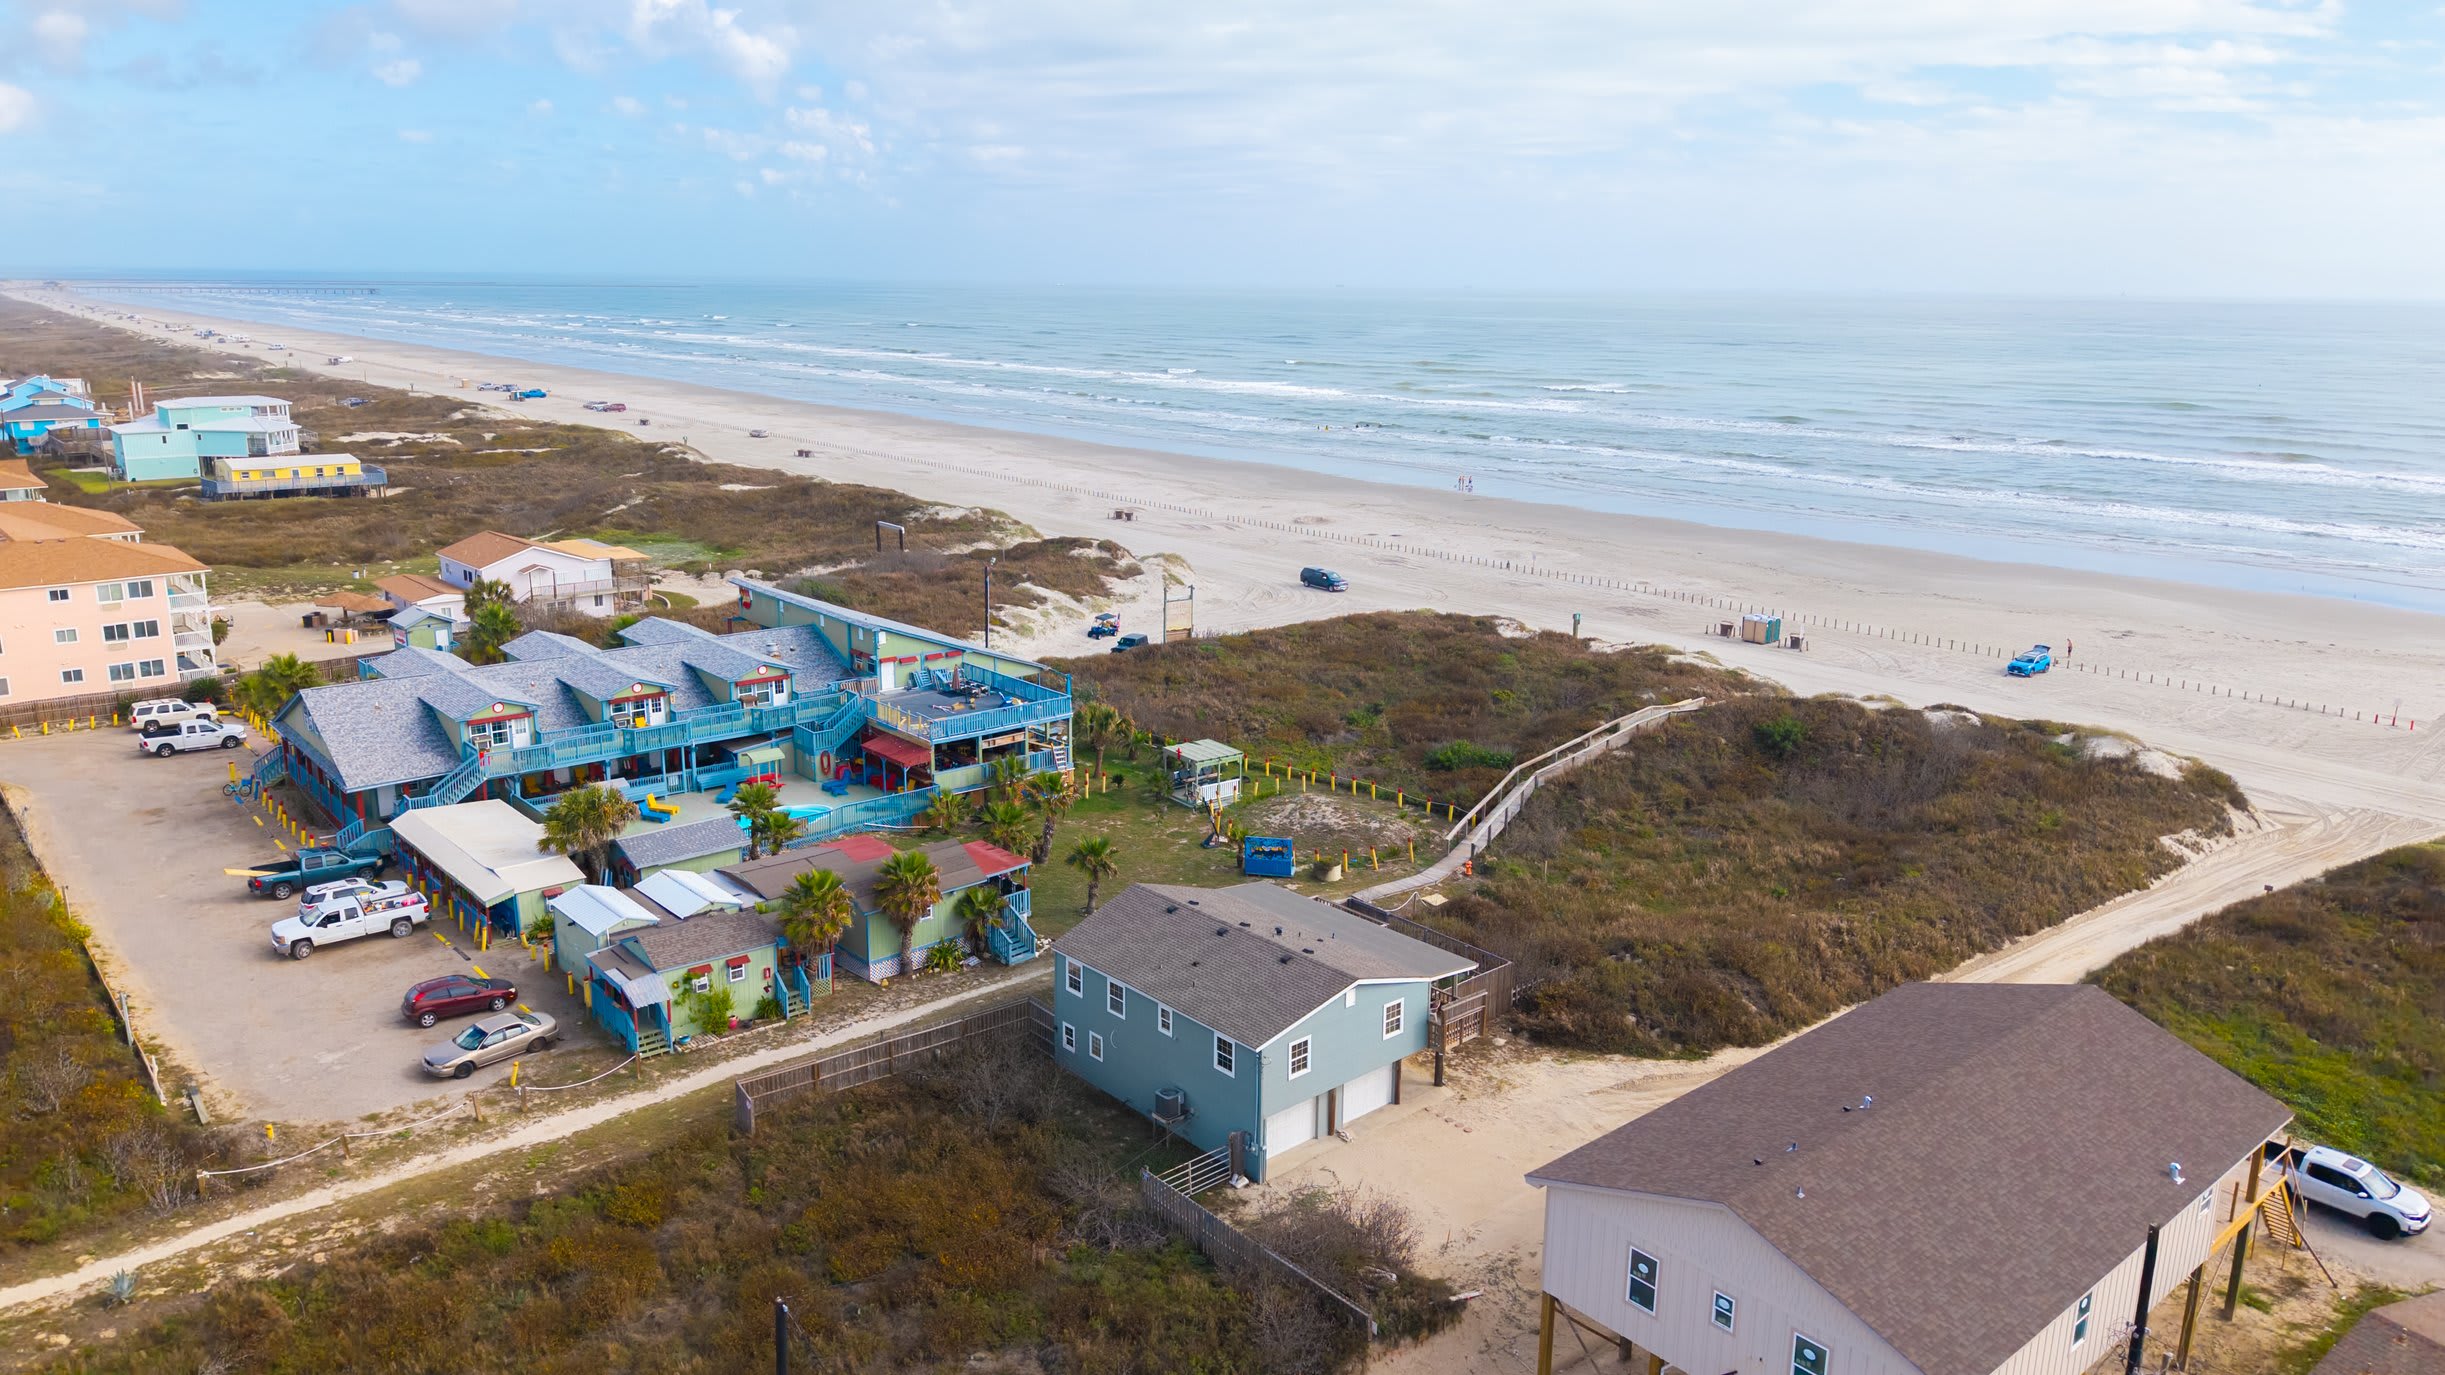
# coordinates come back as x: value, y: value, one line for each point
x: 194, y: 735
x: 284, y: 876
x: 398, y: 913
x: 2035, y: 661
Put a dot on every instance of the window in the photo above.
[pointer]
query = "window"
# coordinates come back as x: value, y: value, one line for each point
x: 1069, y: 1037
x: 493, y: 733
x: 111, y: 593
x: 72, y: 675
x: 1163, y: 1019
x: 1095, y: 1044
x: 1393, y: 1013
x: 145, y: 630
x: 2079, y: 1317
x: 1723, y: 1310
x: 2207, y: 1200
x: 1642, y: 1280
x: 59, y: 594
x: 123, y: 673
x: 1301, y: 1057
x: 3, y: 687
x: 115, y: 634
x: 1076, y: 981
x: 1807, y: 1356
x: 1223, y: 1054
x: 150, y: 668
x: 65, y: 635
x: 1116, y: 998
x: 738, y: 973
x: 139, y: 588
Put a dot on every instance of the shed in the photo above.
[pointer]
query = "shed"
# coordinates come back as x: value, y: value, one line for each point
x: 1205, y: 773
x: 483, y: 862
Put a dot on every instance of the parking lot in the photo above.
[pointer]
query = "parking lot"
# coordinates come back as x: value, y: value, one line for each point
x: 140, y: 845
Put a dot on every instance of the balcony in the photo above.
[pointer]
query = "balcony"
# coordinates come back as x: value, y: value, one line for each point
x: 190, y: 601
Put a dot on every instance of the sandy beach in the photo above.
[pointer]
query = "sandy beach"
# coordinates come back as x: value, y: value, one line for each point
x: 2308, y: 702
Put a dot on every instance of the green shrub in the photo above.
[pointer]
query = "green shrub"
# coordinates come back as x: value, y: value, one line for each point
x: 1782, y: 736
x: 1463, y: 754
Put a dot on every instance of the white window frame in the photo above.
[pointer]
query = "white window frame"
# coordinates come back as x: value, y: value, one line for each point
x: 1302, y: 1056
x: 1825, y: 1364
x: 59, y: 594
x: 139, y: 588
x: 1074, y: 976
x: 1226, y: 1057
x: 738, y: 973
x: 2080, y: 1313
x: 1654, y: 1282
x: 110, y: 593
x: 1095, y: 1045
x: 1396, y: 1017
x: 1726, y: 1312
x: 148, y: 668
x: 65, y: 635
x: 144, y: 630
x: 1163, y: 1019
x: 126, y: 629
x: 72, y: 675
x: 1116, y: 998
x: 1069, y: 1038
x: 121, y: 673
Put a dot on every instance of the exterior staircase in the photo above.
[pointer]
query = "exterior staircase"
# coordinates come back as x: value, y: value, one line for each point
x: 2279, y: 1221
x: 837, y: 730
x: 793, y: 988
x: 1008, y: 938
x: 652, y: 1041
x: 454, y: 786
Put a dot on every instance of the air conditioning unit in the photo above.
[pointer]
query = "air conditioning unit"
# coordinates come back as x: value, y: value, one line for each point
x: 1171, y: 1105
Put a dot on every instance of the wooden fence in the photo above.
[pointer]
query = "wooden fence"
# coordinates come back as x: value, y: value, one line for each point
x: 1496, y: 975
x: 843, y: 1069
x: 1228, y: 1246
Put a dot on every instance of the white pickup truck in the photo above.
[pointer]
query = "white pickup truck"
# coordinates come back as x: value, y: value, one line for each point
x: 194, y: 735
x: 346, y: 916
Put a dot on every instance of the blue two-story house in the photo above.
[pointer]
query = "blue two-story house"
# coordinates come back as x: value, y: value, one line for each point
x: 1248, y: 1010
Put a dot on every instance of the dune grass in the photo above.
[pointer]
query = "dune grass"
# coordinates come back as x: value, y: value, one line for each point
x: 2329, y: 994
x: 1749, y: 869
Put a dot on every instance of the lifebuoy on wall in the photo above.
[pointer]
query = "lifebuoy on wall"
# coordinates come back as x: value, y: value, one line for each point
x: 823, y: 764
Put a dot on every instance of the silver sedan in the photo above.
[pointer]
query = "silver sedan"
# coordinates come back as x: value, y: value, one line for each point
x: 490, y: 1040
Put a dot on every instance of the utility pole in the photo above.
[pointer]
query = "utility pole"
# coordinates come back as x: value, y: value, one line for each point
x: 2139, y: 1319
x: 989, y: 603
x: 781, y: 1335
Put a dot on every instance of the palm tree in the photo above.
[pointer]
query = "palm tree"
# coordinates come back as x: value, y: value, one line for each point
x: 269, y: 688
x: 1099, y: 726
x: 944, y: 813
x: 1051, y: 797
x: 1006, y: 778
x: 815, y: 912
x: 583, y: 822
x: 977, y: 908
x: 484, y: 592
x: 1093, y: 857
x: 1006, y: 825
x: 489, y: 627
x: 759, y: 806
x: 906, y: 887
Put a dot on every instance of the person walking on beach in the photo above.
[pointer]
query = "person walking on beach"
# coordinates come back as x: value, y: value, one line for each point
x: 2067, y: 646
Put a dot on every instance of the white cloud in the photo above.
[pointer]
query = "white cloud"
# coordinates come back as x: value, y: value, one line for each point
x: 539, y: 107
x: 16, y: 107
x: 61, y: 36
x: 628, y: 105
x: 805, y: 152
x: 758, y: 58
x: 415, y: 136
x: 399, y: 72
x: 733, y: 144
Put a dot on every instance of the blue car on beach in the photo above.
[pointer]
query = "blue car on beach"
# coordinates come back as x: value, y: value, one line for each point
x: 2037, y: 660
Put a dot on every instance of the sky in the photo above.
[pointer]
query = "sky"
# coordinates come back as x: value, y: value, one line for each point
x: 2229, y: 148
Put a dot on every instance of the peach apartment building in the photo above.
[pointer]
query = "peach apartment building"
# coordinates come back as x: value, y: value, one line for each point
x: 88, y: 608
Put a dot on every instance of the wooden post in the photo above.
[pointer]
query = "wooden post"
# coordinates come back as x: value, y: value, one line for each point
x: 2241, y: 1244
x: 2190, y: 1316
x: 1545, y: 1337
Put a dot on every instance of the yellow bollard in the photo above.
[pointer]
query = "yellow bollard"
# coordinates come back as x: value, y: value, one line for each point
x: 588, y: 987
x: 89, y: 720
x: 1371, y: 864
x: 1413, y: 852
x: 16, y: 733
x: 513, y: 1074
x: 268, y: 1133
x: 1373, y: 795
x: 572, y: 980
x: 1398, y: 799
x: 46, y: 728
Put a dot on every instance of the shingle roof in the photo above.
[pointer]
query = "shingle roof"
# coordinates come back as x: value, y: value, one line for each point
x: 680, y: 944
x: 485, y: 549
x: 2406, y: 1338
x: 45, y: 406
x: 957, y: 865
x: 43, y: 520
x: 1248, y: 961
x: 16, y: 474
x: 671, y: 844
x: 417, y: 587
x: 2016, y: 1150
x: 49, y: 562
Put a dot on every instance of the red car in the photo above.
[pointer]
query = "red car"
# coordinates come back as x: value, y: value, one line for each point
x: 455, y: 995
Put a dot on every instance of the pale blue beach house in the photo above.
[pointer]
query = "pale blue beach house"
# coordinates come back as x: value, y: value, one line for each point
x: 32, y: 408
x: 181, y: 437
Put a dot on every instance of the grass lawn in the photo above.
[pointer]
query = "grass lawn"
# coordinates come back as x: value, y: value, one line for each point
x: 97, y: 482
x: 2329, y: 994
x: 672, y: 601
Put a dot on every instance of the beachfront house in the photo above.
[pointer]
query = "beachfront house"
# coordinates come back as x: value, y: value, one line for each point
x: 182, y: 436
x: 87, y: 608
x: 1952, y: 1179
x: 35, y: 409
x: 18, y: 483
x: 581, y: 575
x: 291, y: 475
x: 480, y: 865
x: 1246, y: 1019
x: 677, y: 717
x: 873, y: 947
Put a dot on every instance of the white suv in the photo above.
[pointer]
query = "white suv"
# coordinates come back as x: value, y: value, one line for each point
x: 167, y: 713
x: 2350, y: 1185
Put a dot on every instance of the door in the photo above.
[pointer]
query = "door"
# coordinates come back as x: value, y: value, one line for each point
x: 1366, y: 1093
x: 1292, y: 1126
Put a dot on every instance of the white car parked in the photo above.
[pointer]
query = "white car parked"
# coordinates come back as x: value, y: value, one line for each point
x: 154, y: 717
x: 324, y: 897
x: 348, y: 918
x: 193, y: 735
x: 2354, y: 1187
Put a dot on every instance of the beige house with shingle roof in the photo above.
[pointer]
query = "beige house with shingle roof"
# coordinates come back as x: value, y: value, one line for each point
x: 1953, y: 1179
x: 87, y: 608
x: 582, y: 575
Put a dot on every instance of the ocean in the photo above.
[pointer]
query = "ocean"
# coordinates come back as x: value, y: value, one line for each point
x: 2292, y: 447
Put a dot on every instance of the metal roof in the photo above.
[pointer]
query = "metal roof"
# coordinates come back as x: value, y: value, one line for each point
x: 1954, y: 1163
x: 599, y: 911
x: 1249, y: 961
x: 489, y: 848
x: 1203, y: 752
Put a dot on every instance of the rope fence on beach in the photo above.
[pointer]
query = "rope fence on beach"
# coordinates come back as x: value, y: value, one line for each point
x: 2389, y: 718
x: 464, y: 1105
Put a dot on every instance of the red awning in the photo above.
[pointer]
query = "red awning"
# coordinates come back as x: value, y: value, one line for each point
x: 737, y: 960
x: 700, y: 971
x: 906, y: 753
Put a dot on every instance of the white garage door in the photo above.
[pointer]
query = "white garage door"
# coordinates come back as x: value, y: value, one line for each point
x: 1292, y: 1126
x: 1366, y: 1093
